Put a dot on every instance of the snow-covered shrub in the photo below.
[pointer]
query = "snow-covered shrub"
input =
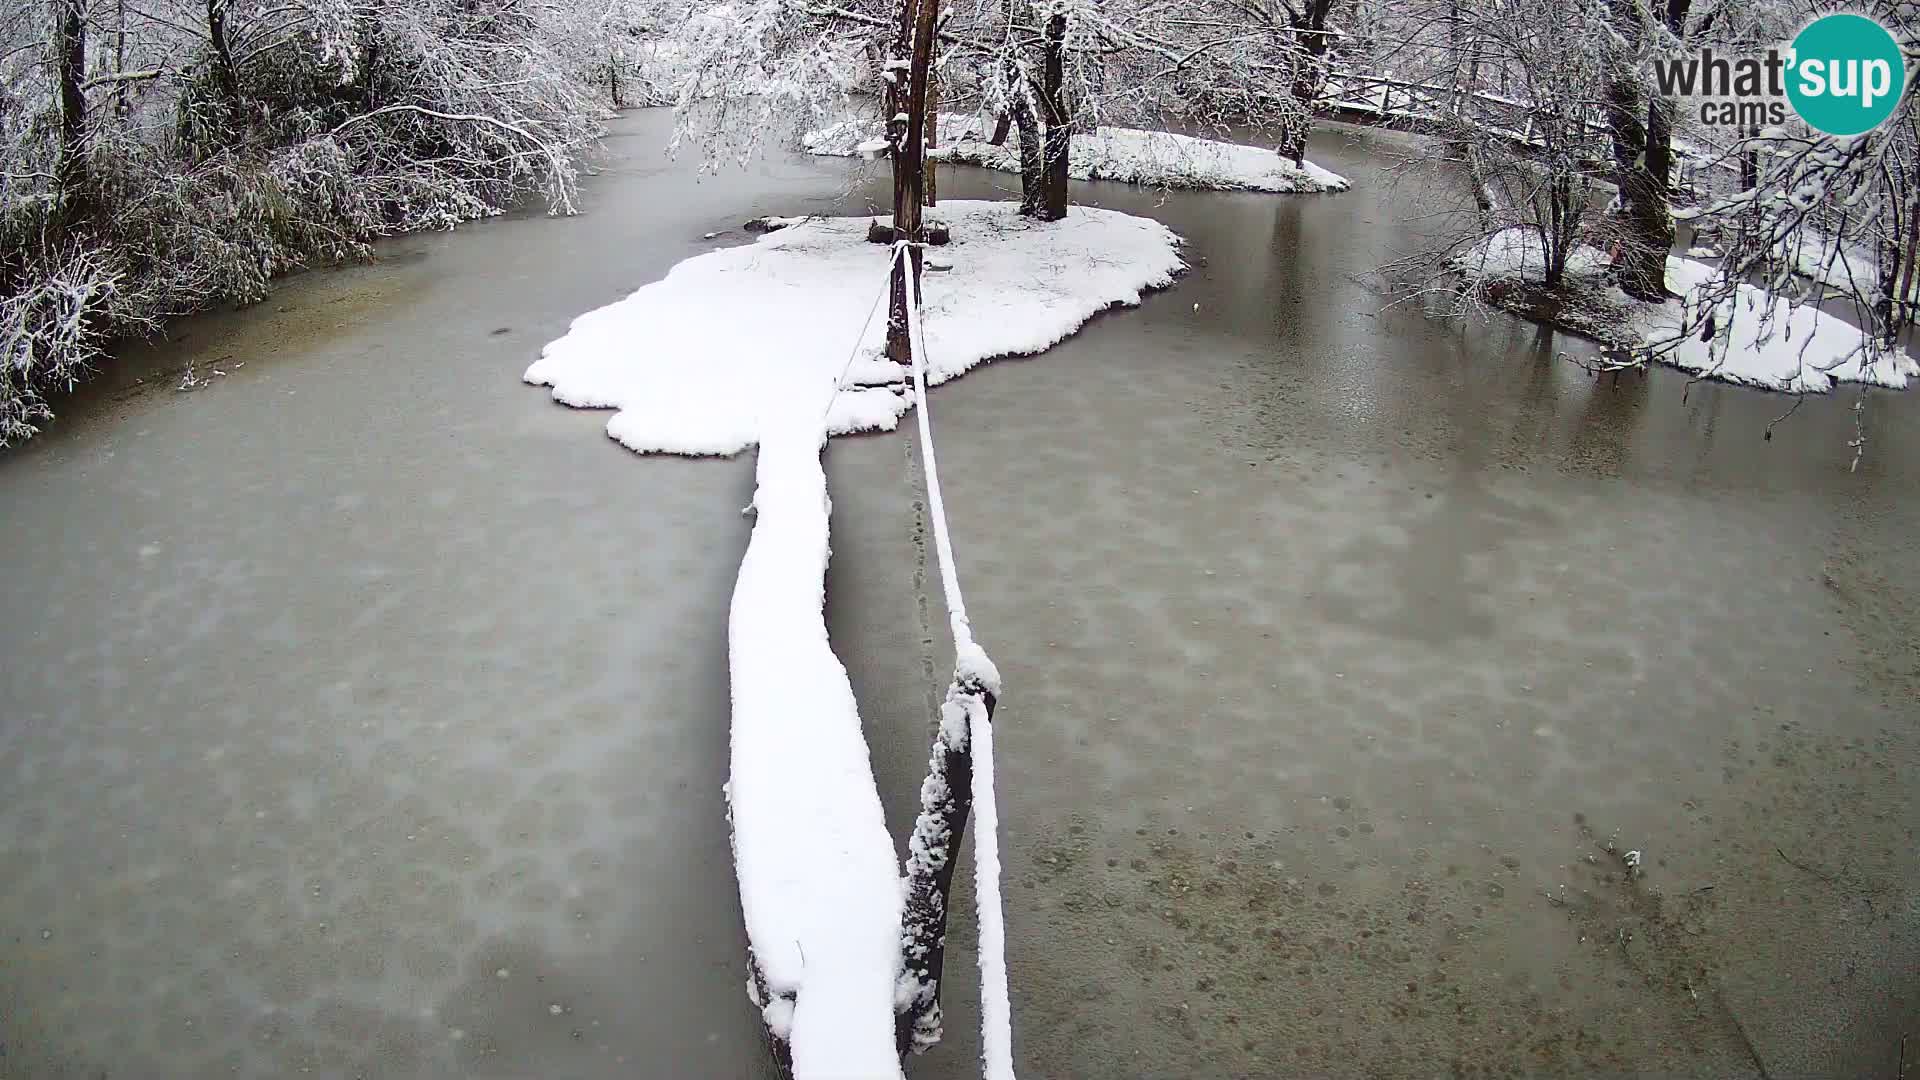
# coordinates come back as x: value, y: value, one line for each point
x: 220, y: 145
x: 51, y: 330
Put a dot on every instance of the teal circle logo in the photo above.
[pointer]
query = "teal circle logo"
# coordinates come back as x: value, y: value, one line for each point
x: 1848, y: 74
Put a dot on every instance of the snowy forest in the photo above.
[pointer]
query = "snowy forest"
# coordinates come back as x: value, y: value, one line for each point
x: 162, y: 157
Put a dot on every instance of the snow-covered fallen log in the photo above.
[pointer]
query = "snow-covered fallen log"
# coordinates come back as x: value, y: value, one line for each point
x: 1126, y: 155
x: 819, y: 888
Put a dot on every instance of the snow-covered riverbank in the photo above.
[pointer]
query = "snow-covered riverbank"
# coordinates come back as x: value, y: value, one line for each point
x: 1127, y: 155
x: 1772, y: 344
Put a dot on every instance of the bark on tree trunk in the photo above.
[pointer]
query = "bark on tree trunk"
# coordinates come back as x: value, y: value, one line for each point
x: 933, y: 136
x: 122, y: 103
x: 897, y: 67
x: 1033, y: 158
x: 1647, y: 227
x: 1899, y: 311
x: 1310, y: 31
x: 70, y: 64
x: 1643, y: 162
x: 1482, y: 191
x: 909, y: 175
x: 369, y: 62
x: 1053, y: 205
x: 224, y: 71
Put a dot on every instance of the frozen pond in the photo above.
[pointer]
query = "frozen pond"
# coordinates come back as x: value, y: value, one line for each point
x: 364, y: 713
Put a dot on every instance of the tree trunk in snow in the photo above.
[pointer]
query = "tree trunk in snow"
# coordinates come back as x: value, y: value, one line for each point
x: 1053, y: 205
x: 933, y: 137
x: 909, y: 174
x: 897, y: 66
x: 1643, y: 158
x: 1309, y: 25
x: 1033, y: 158
x: 1648, y: 229
x: 70, y: 67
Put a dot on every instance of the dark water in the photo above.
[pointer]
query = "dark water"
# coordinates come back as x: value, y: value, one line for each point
x: 364, y: 713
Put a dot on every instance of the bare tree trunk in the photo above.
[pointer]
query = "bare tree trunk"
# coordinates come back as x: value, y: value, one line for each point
x: 1309, y: 27
x: 1641, y: 263
x: 1643, y: 157
x: 1900, y: 310
x: 122, y: 103
x: 898, y: 65
x: 1053, y: 205
x: 909, y: 175
x: 70, y: 67
x: 224, y: 70
x: 933, y: 136
x: 1033, y: 157
x: 368, y: 32
x: 1482, y: 188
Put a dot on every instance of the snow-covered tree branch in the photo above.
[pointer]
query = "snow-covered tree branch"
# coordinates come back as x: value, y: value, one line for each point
x: 162, y: 156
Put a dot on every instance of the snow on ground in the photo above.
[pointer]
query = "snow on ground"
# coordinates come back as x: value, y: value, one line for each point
x: 1128, y: 155
x: 819, y: 887
x: 1520, y: 254
x: 1847, y: 267
x: 1805, y: 350
x: 734, y: 340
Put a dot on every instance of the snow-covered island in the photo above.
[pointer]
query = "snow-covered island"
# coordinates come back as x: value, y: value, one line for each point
x: 1126, y: 155
x: 741, y: 338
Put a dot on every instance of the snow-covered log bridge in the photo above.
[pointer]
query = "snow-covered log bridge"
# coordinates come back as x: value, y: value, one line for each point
x: 846, y: 943
x: 846, y: 950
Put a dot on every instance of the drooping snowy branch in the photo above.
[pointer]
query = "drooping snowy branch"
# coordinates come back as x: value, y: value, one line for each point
x: 185, y: 152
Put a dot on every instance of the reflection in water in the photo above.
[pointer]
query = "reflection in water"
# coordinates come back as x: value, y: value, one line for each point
x: 1604, y: 432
